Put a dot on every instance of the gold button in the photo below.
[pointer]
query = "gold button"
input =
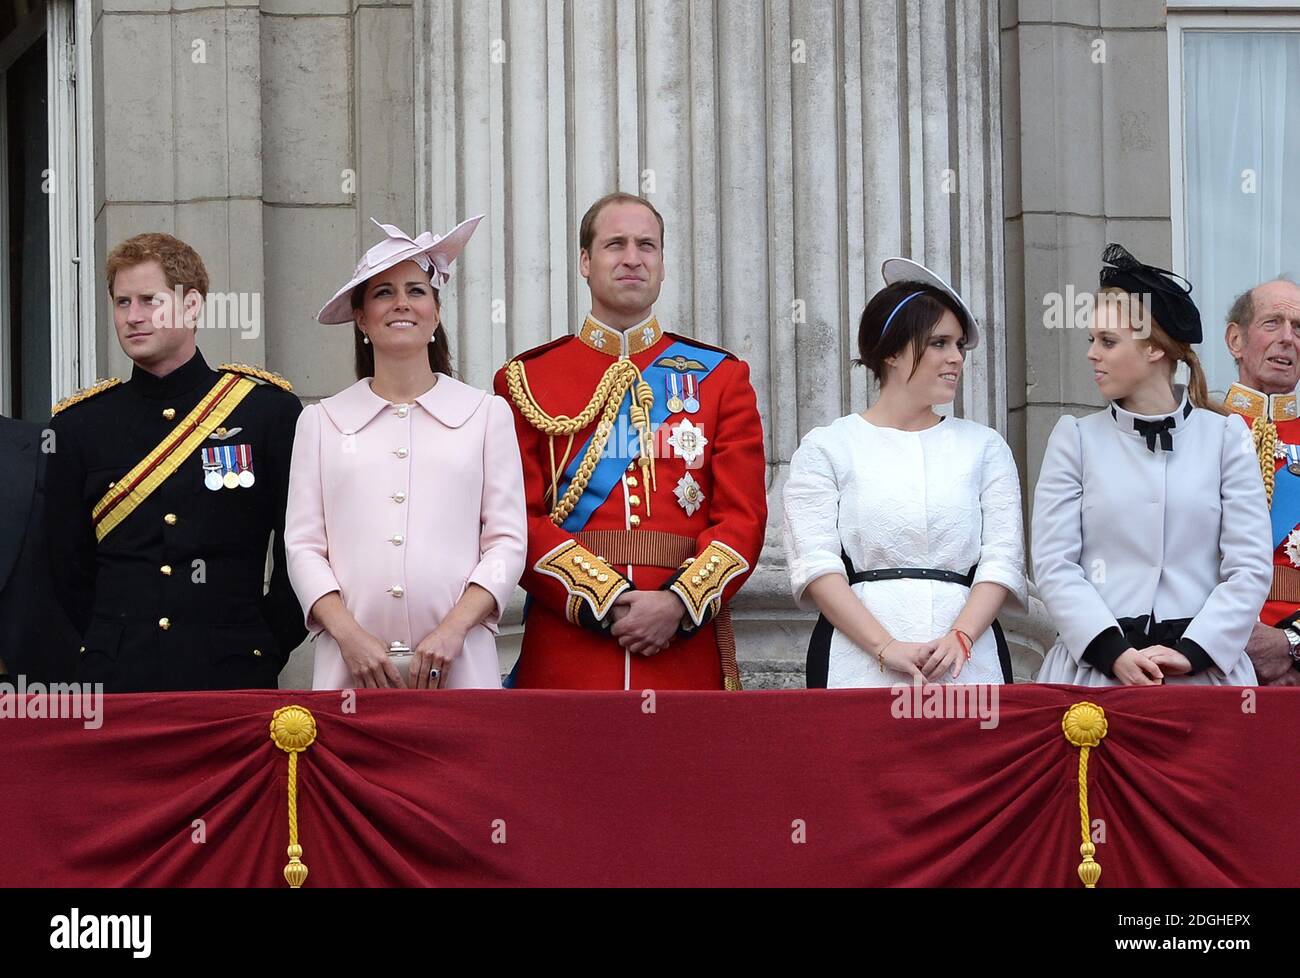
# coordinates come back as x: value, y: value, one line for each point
x: 592, y: 572
x: 715, y: 559
x: 602, y: 578
x: 399, y: 497
x: 631, y: 481
x: 577, y: 559
x: 166, y: 570
x: 634, y: 500
x: 257, y: 652
x: 169, y: 413
x: 634, y: 520
x: 170, y: 519
x: 696, y: 579
x: 164, y: 623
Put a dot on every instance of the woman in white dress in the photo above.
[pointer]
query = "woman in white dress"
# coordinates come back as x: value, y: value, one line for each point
x: 902, y: 526
x: 1151, y: 534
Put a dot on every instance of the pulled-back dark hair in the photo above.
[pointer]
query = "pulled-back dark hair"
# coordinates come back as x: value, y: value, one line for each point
x: 914, y: 324
x: 439, y: 351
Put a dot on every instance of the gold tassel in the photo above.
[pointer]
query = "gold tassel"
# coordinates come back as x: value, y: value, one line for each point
x: 293, y: 729
x: 619, y: 378
x: 1264, y: 433
x: 1084, y: 726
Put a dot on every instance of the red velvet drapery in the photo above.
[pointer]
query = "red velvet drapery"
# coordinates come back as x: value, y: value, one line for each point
x: 1194, y: 787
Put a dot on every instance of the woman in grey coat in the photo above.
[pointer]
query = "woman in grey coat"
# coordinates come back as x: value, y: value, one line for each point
x: 1151, y: 535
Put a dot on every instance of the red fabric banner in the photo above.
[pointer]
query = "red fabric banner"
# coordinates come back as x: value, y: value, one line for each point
x: 1192, y: 787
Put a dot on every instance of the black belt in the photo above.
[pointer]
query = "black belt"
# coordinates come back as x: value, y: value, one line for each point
x: 817, y: 667
x: 918, y: 573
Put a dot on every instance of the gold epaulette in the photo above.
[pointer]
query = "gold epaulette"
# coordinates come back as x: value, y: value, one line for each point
x: 98, y: 387
x: 261, y: 373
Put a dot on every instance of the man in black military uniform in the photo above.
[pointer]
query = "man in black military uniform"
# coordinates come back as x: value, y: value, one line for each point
x: 164, y: 493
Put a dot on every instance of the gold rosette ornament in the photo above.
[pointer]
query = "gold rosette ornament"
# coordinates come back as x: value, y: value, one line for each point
x: 293, y: 729
x: 1084, y: 726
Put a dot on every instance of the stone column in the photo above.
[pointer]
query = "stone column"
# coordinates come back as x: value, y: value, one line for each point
x: 791, y: 147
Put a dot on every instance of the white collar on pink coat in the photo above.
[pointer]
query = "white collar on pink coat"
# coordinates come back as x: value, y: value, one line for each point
x: 449, y: 401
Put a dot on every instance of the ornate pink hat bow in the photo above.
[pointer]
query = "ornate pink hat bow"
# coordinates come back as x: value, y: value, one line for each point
x: 432, y: 252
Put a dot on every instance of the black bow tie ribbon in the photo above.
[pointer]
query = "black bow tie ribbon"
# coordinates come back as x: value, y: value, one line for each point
x: 1150, y: 430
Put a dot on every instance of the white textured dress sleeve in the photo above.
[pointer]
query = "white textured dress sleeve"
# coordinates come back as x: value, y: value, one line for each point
x: 1077, y: 609
x: 1002, y: 537
x: 1223, y: 625
x: 810, y: 524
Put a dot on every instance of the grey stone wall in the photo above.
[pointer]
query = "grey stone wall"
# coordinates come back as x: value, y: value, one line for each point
x: 265, y: 135
x: 1086, y: 162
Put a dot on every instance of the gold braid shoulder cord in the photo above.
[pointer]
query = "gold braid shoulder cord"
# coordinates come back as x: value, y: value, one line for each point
x: 1265, y: 435
x: 621, y: 377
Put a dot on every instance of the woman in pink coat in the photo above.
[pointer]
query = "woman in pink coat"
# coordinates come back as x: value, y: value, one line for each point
x: 406, y: 525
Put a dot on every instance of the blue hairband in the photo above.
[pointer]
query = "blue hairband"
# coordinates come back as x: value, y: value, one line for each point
x: 895, y: 312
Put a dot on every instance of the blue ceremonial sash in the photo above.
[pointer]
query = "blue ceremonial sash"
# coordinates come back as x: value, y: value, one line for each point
x: 614, y: 461
x: 1285, y: 511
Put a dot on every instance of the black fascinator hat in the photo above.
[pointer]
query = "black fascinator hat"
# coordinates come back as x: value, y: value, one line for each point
x: 1169, y: 295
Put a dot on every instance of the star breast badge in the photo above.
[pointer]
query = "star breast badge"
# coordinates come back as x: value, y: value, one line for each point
x: 688, y: 441
x: 1293, y: 547
x: 689, y: 494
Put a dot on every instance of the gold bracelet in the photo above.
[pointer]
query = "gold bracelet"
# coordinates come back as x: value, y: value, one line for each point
x: 880, y: 655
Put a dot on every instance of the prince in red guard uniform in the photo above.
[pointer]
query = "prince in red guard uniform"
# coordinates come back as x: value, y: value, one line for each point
x: 1263, y: 336
x: 645, y: 480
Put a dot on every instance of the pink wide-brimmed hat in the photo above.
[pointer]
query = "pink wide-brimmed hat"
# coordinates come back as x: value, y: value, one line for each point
x: 432, y: 252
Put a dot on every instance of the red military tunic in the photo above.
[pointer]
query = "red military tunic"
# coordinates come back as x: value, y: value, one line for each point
x: 693, y: 523
x: 1282, y: 413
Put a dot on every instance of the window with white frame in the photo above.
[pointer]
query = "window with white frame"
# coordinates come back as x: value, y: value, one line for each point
x: 1235, y: 138
x: 46, y: 225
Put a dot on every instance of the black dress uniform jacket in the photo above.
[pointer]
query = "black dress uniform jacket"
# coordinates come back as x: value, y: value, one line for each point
x: 172, y: 598
x: 36, y: 638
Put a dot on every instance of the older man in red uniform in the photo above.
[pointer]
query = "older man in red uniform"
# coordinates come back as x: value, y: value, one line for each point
x: 645, y: 479
x: 1263, y: 336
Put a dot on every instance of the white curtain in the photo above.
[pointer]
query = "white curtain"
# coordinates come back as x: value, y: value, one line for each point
x: 1241, y: 127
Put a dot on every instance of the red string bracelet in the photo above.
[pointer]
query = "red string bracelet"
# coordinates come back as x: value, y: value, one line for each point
x: 964, y: 641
